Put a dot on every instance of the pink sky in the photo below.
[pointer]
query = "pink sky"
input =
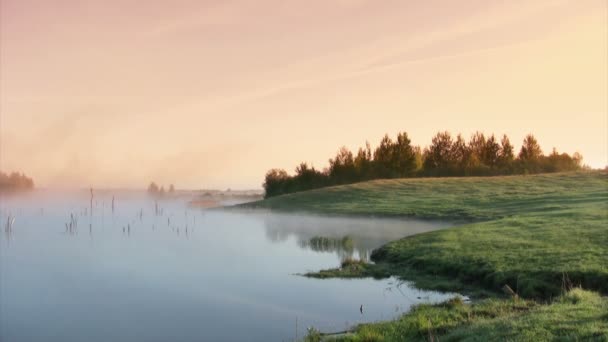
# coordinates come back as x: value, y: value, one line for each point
x: 214, y: 93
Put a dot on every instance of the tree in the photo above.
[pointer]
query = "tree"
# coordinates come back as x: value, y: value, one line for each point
x: 363, y: 163
x: 419, y: 157
x: 530, y: 150
x: 15, y: 181
x: 275, y: 182
x: 171, y: 188
x: 342, y: 167
x: 530, y: 154
x: 491, y: 153
x: 506, y: 155
x: 459, y: 155
x: 383, y: 158
x: 556, y: 162
x: 403, y: 157
x: 437, y: 157
x: 477, y: 147
x: 153, y: 188
x: 307, y: 178
x: 443, y: 157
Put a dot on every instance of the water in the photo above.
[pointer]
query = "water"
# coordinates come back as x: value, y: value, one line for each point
x: 185, y: 275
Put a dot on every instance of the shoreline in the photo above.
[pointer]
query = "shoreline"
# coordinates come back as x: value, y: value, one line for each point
x: 504, y: 226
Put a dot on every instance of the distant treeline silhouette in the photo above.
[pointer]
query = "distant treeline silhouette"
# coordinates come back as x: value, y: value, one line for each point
x: 154, y: 190
x: 446, y: 156
x: 15, y: 181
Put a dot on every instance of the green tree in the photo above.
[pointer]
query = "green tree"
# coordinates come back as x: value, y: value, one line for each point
x: 491, y: 155
x: 459, y: 155
x: 403, y: 157
x: 419, y: 157
x: 383, y: 158
x: 342, y: 167
x: 506, y: 155
x: 477, y: 148
x: 275, y: 182
x: 437, y: 157
x: 307, y: 178
x: 363, y: 163
x: 530, y: 155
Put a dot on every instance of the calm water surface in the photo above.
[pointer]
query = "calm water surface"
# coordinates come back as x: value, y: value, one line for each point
x: 185, y: 274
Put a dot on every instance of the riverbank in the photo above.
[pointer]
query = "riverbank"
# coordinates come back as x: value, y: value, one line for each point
x: 538, y: 234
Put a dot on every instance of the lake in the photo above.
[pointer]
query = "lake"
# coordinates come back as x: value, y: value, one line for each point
x: 161, y: 270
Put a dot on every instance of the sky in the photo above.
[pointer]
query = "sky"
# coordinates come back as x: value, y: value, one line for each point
x: 212, y: 94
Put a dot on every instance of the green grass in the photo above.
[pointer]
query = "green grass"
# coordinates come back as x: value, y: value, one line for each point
x: 530, y: 232
x: 576, y: 316
x: 539, y: 234
x: 470, y: 198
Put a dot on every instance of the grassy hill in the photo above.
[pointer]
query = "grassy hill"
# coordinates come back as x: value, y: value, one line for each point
x: 539, y: 234
x: 471, y: 198
x: 529, y: 232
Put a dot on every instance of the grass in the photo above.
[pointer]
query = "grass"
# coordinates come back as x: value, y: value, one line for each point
x: 532, y: 233
x: 459, y: 199
x: 539, y: 234
x: 575, y: 316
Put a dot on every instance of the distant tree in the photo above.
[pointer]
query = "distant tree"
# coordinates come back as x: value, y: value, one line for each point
x: 530, y: 154
x: 153, y: 188
x: 383, y: 158
x: 403, y: 162
x: 437, y: 157
x: 342, y: 167
x: 506, y: 155
x: 307, y: 178
x: 491, y: 155
x: 171, y: 188
x: 578, y: 159
x: 161, y: 192
x: 530, y: 150
x: 419, y: 157
x: 363, y: 163
x: 275, y: 182
x: 15, y: 181
x: 443, y: 157
x: 556, y: 162
x: 459, y: 156
x: 477, y: 158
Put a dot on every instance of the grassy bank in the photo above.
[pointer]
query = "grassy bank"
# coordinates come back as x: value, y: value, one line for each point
x: 467, y: 198
x: 577, y: 315
x: 531, y: 232
x: 538, y: 234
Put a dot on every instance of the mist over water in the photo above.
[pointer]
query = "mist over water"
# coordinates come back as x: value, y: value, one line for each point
x: 161, y: 270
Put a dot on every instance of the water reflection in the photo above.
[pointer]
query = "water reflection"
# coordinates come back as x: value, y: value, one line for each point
x: 344, y: 247
x: 347, y: 237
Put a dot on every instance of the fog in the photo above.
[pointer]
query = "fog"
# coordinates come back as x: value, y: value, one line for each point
x: 161, y: 269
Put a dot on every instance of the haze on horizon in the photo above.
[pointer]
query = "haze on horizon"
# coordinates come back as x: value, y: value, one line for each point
x: 212, y: 94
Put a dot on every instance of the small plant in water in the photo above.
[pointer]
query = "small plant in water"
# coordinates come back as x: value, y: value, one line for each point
x: 312, y: 335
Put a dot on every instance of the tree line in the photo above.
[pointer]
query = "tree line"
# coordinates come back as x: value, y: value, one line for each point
x: 15, y: 181
x: 155, y: 190
x: 447, y: 156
